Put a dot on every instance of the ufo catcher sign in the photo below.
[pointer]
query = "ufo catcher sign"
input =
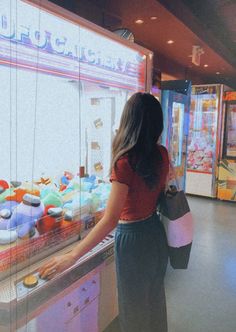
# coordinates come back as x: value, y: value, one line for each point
x: 32, y: 38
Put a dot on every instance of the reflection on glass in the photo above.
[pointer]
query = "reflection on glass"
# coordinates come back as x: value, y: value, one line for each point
x: 61, y: 99
x: 231, y: 131
x: 177, y: 133
x: 46, y: 145
x: 202, y: 132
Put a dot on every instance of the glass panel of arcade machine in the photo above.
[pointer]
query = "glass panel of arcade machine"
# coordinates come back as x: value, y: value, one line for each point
x: 177, y: 133
x: 101, y: 108
x: 50, y: 137
x: 230, y: 148
x: 202, y: 132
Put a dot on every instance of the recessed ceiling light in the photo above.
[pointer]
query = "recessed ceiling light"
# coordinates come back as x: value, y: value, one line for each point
x: 139, y: 21
x: 217, y: 73
x: 170, y: 41
x: 153, y: 18
x: 206, y: 65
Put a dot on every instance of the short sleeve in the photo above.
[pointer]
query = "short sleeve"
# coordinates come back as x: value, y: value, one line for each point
x: 123, y: 172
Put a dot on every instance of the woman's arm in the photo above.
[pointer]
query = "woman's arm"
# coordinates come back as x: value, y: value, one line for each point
x: 103, y: 227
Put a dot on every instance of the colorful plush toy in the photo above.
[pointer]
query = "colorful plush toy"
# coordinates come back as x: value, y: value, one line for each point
x: 65, y: 180
x: 25, y: 215
x: 6, y: 210
x: 52, y: 198
x: 10, y: 205
x: 3, y: 186
x: 50, y: 220
x: 8, y: 236
x: 20, y: 192
x: 6, y: 193
x: 80, y: 200
x: 5, y: 215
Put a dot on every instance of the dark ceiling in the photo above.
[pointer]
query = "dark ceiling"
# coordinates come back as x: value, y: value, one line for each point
x: 209, y: 23
x: 219, y: 16
x: 214, y: 21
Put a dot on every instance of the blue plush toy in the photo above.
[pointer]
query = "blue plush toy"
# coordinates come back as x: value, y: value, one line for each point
x: 25, y: 215
x: 91, y: 180
x: 6, y: 210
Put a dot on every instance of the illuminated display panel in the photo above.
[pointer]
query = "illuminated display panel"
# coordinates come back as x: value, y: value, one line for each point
x: 202, y: 132
x: 32, y: 38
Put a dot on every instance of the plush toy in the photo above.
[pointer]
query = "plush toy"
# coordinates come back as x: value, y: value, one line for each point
x: 20, y: 192
x: 25, y: 215
x: 92, y: 180
x: 17, y: 195
x: 5, y: 215
x: 207, y: 164
x: 80, y: 200
x: 50, y: 220
x: 8, y: 236
x: 65, y: 180
x: 52, y: 198
x: 6, y: 193
x: 3, y: 186
x: 43, y: 180
x: 16, y: 184
x: 9, y: 205
x: 100, y: 196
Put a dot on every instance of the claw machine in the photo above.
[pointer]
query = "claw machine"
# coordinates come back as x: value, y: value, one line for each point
x: 227, y: 166
x: 204, y: 139
x: 64, y: 82
x: 175, y: 101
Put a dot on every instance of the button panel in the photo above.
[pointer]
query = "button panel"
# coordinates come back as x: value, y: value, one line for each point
x: 22, y: 290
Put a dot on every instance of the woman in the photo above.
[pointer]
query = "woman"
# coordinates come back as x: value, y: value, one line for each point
x: 139, y: 170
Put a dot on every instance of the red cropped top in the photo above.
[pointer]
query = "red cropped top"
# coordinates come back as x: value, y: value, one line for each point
x: 141, y: 201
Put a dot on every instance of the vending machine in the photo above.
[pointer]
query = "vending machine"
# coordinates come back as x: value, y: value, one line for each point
x: 175, y: 101
x: 64, y: 83
x: 204, y: 139
x: 227, y: 166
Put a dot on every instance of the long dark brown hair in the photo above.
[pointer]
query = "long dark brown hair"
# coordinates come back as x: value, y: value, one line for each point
x: 141, y: 125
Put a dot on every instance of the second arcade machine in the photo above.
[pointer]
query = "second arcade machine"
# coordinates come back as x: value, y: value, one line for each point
x: 227, y: 167
x: 204, y: 139
x: 175, y: 100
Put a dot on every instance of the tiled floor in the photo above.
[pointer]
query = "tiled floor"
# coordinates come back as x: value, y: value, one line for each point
x: 203, y: 298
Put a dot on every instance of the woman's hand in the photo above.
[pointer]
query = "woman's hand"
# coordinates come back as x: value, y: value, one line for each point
x: 100, y: 230
x: 56, y: 265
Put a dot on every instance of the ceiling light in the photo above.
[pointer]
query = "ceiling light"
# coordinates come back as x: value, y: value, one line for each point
x: 153, y: 18
x: 139, y: 21
x: 217, y: 73
x: 170, y: 41
x: 206, y: 65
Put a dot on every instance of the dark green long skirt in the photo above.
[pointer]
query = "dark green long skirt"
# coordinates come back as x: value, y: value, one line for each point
x: 141, y: 259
